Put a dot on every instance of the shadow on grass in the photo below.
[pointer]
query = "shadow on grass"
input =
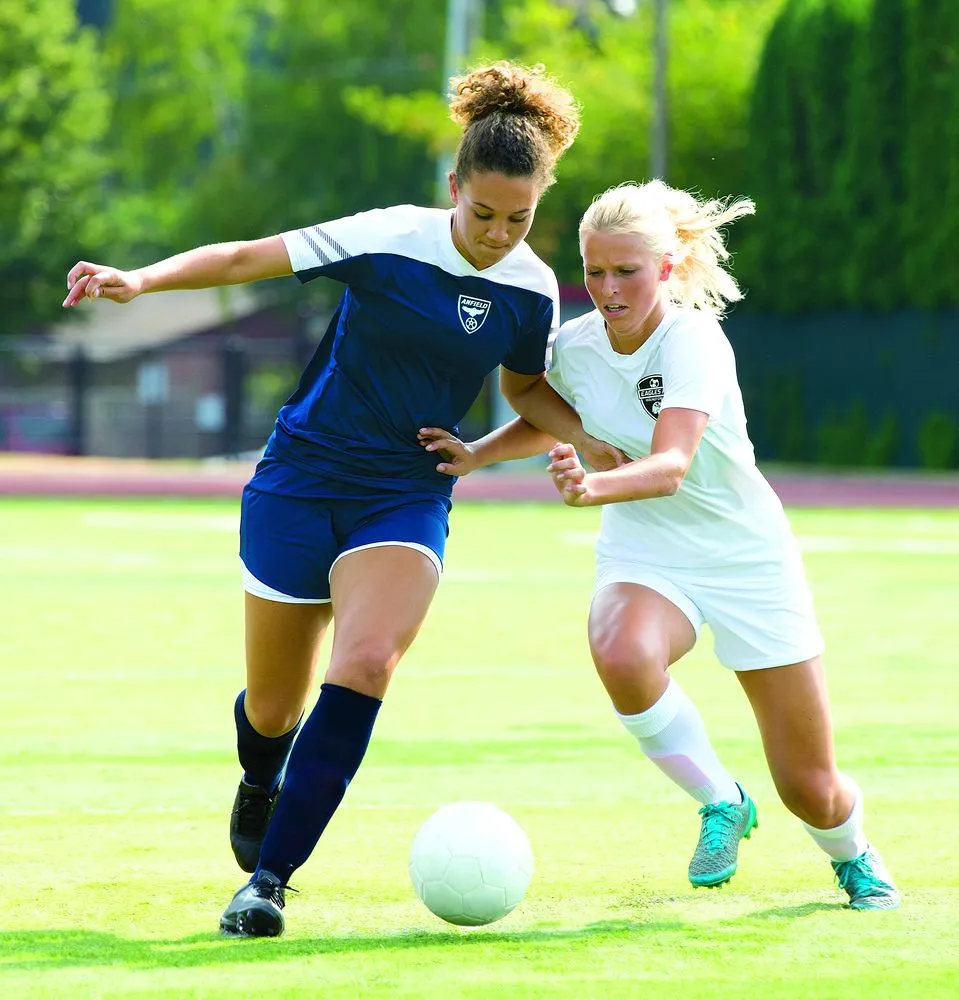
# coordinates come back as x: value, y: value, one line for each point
x: 27, y: 950
x: 791, y: 912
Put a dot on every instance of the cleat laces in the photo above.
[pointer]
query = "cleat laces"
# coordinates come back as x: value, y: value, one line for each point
x: 857, y: 877
x: 265, y: 888
x: 718, y: 820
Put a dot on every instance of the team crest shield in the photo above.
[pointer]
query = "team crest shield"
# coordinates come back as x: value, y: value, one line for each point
x: 473, y: 312
x: 649, y: 389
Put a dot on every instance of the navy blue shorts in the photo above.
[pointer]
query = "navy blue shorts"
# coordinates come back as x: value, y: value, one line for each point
x: 289, y: 544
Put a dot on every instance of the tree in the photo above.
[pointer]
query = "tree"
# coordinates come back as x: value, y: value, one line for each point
x: 303, y: 154
x: 871, y: 179
x: 798, y: 248
x: 930, y: 223
x: 179, y: 72
x: 53, y: 112
x: 716, y: 44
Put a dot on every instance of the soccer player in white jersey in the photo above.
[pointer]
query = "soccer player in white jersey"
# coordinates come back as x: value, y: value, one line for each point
x: 346, y: 516
x: 691, y: 531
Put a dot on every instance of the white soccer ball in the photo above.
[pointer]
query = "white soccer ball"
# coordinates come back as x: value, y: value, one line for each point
x: 471, y: 863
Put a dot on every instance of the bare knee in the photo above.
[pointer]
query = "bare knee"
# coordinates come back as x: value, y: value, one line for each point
x: 632, y: 669
x: 818, y: 797
x: 272, y: 713
x: 366, y: 667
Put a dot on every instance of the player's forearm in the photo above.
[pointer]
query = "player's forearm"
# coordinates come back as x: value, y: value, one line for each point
x: 209, y: 267
x: 658, y: 475
x: 517, y: 439
x: 542, y: 407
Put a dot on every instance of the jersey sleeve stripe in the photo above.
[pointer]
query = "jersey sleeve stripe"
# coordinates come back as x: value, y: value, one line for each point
x: 329, y: 239
x: 314, y: 246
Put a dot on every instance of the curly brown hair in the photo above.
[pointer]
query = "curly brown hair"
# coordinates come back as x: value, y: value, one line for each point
x: 516, y: 121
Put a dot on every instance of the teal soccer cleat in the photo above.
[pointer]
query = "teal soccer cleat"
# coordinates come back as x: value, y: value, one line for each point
x: 867, y: 882
x: 724, y: 825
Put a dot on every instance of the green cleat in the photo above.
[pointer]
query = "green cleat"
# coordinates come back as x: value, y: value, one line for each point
x: 867, y: 882
x: 724, y: 825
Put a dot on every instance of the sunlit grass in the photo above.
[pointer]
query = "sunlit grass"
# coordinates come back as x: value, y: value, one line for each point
x: 121, y: 654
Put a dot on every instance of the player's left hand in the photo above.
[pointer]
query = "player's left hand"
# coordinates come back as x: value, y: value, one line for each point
x: 458, y: 457
x: 600, y: 455
x: 569, y: 476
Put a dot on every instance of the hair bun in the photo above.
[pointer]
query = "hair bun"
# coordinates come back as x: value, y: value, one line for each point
x: 511, y: 89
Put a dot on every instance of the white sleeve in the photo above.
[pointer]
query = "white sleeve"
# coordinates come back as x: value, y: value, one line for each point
x: 554, y: 368
x: 327, y: 244
x: 697, y: 365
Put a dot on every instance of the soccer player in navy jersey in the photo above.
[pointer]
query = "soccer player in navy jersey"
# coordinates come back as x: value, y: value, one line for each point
x: 346, y: 515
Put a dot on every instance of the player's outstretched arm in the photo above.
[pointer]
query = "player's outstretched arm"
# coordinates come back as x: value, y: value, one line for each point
x: 205, y: 267
x: 517, y: 439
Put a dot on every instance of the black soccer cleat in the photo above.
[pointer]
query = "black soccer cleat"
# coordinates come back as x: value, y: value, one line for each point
x: 256, y: 909
x: 252, y: 809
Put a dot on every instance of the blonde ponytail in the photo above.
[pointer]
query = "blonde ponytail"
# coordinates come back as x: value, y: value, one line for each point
x: 675, y: 223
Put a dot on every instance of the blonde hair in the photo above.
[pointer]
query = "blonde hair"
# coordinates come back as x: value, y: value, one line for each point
x: 516, y: 120
x: 675, y: 223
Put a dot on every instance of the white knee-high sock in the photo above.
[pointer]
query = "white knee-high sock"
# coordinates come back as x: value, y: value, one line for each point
x: 846, y: 841
x: 673, y: 737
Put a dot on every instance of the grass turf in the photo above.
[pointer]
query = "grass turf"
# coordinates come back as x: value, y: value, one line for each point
x: 121, y: 647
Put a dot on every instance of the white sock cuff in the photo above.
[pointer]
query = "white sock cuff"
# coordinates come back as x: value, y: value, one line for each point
x: 656, y: 718
x: 852, y: 824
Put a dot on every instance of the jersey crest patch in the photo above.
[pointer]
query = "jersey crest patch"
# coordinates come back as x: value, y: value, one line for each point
x: 473, y: 312
x: 649, y: 389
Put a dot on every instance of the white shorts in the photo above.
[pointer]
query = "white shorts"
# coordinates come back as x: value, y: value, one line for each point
x: 760, y: 616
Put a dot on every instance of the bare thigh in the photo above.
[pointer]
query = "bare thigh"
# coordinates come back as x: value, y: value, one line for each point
x: 791, y: 705
x: 635, y: 634
x: 282, y: 645
x: 380, y: 598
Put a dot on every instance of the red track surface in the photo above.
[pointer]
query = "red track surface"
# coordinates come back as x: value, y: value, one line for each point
x: 42, y: 475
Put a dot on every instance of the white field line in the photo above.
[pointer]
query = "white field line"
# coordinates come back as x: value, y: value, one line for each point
x: 118, y: 559
x: 163, y: 522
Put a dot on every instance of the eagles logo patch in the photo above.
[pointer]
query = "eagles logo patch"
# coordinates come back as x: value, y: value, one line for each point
x: 649, y: 389
x: 473, y: 312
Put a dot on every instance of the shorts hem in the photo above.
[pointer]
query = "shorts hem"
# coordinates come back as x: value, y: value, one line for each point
x: 267, y: 593
x: 770, y: 663
x: 608, y: 576
x: 417, y: 546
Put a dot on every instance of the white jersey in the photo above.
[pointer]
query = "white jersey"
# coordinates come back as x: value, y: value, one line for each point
x: 725, y: 513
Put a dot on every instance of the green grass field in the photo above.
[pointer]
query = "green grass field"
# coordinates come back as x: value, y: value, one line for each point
x: 121, y: 655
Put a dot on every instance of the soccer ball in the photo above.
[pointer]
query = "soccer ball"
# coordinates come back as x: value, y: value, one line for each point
x: 471, y: 863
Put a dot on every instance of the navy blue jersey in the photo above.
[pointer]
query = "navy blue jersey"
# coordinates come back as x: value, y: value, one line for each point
x: 416, y: 332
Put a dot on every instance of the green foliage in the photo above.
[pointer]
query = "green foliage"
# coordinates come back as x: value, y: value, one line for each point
x: 855, y: 135
x: 304, y: 155
x: 269, y: 386
x: 799, y: 132
x: 938, y: 441
x: 180, y: 75
x: 53, y: 111
x: 930, y: 225
x: 715, y: 46
x: 872, y: 187
x: 785, y: 412
x: 853, y: 439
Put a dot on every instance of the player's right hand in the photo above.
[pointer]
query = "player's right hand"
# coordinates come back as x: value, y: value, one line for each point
x: 97, y: 281
x: 568, y: 475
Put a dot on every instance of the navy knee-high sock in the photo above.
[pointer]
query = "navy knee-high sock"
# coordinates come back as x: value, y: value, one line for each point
x: 325, y: 758
x: 261, y: 757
